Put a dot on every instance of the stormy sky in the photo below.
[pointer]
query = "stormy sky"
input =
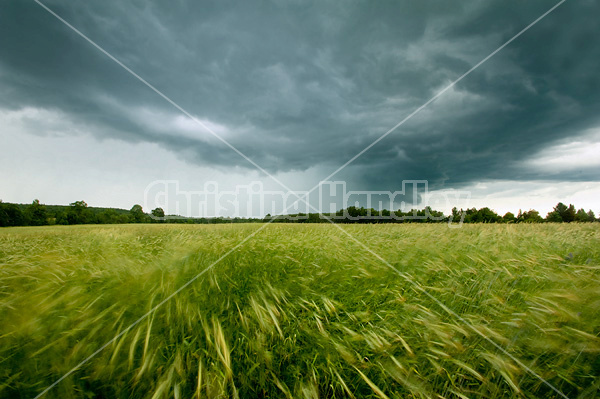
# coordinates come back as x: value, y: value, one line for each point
x: 300, y: 88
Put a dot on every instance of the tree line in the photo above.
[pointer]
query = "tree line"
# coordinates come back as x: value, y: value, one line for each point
x: 560, y: 214
x: 78, y: 212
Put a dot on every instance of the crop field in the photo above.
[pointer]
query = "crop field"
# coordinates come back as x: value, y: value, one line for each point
x: 484, y: 311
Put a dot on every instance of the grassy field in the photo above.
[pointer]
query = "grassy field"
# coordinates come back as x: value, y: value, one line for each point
x: 301, y: 311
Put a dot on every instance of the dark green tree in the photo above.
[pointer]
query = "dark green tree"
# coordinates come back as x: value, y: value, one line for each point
x: 313, y: 218
x: 79, y: 213
x: 456, y: 214
x: 567, y: 214
x: 554, y: 217
x: 61, y: 218
x: 36, y: 214
x: 433, y: 215
x: 485, y: 215
x: 11, y: 215
x: 3, y: 215
x: 509, y: 217
x: 110, y: 216
x: 582, y: 216
x: 158, y: 213
x: 137, y: 214
x: 531, y: 216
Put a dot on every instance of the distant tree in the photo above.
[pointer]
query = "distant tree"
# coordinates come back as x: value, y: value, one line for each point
x: 4, y: 221
x: 509, y: 217
x: 354, y: 212
x: 560, y: 208
x: 36, y: 214
x: 11, y: 215
x: 313, y: 218
x: 531, y: 216
x: 137, y: 214
x: 79, y: 213
x: 72, y: 215
x: 433, y: 215
x: 123, y: 218
x: 470, y: 215
x: 582, y: 216
x: 567, y: 214
x: 109, y: 216
x: 79, y: 204
x: 591, y: 216
x: 158, y: 213
x: 554, y: 217
x: 456, y: 214
x: 484, y: 215
x: 61, y: 218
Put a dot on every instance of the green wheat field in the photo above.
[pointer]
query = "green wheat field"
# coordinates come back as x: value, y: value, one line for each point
x: 301, y: 311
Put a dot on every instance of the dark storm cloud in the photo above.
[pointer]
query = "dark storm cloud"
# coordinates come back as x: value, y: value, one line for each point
x: 295, y: 86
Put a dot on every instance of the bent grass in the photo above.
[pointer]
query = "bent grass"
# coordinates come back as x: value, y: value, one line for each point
x: 298, y: 311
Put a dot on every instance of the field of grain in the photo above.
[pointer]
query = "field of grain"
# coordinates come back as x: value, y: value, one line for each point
x: 301, y: 311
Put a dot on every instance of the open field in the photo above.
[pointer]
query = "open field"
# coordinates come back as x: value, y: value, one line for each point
x: 301, y: 311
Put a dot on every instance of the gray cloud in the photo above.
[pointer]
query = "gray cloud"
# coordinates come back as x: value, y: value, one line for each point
x: 294, y: 85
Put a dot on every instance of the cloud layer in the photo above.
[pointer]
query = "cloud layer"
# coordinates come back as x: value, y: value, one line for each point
x: 296, y: 86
